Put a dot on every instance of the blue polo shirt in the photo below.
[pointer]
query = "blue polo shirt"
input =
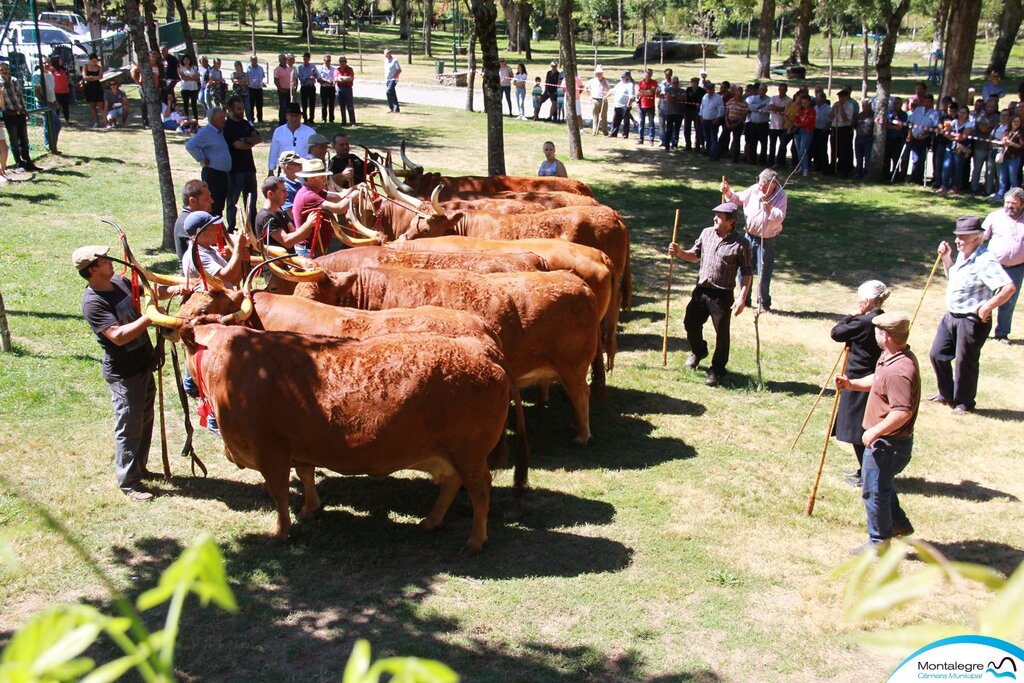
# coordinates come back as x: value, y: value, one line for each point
x: 209, y: 144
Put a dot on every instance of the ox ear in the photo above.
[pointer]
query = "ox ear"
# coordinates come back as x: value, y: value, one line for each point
x: 204, y: 334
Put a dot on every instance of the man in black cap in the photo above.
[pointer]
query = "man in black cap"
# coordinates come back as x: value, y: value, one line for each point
x: 120, y: 328
x: 978, y: 285
x: 889, y: 418
x: 551, y: 80
x: 721, y: 252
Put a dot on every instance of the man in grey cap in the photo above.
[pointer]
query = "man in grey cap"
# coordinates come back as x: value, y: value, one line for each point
x: 895, y: 394
x: 721, y: 252
x: 120, y: 328
x: 978, y: 285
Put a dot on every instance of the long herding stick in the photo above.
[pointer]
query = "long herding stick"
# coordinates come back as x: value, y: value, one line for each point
x: 828, y: 438
x: 668, y: 296
x: 927, y: 284
x: 824, y: 386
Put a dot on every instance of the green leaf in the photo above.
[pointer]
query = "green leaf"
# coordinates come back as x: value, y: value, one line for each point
x: 887, y: 568
x: 928, y: 553
x: 415, y: 670
x: 1003, y: 616
x: 905, y: 640
x: 895, y: 593
x: 50, y: 642
x: 358, y: 662
x: 990, y: 578
x: 201, y: 569
x: 116, y: 669
x: 859, y: 568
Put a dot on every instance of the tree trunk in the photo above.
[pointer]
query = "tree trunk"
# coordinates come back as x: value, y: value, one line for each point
x: 94, y: 17
x: 941, y: 23
x: 301, y: 17
x: 568, y: 54
x: 485, y: 14
x: 864, y: 65
x: 252, y: 25
x: 525, y: 37
x: 831, y: 55
x: 511, y: 11
x: 961, y: 38
x: 280, y: 18
x: 800, y: 53
x: 782, y: 29
x: 883, y: 83
x: 471, y: 68
x: 750, y: 22
x: 268, y: 9
x: 206, y: 23
x: 622, y: 23
x: 5, y: 331
x: 151, y: 37
x: 428, y: 25
x: 643, y: 28
x: 170, y: 11
x: 1009, y: 24
x: 186, y: 29
x: 764, y: 40
x: 163, y: 160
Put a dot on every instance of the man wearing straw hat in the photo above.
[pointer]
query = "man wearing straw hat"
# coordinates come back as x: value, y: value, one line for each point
x: 127, y: 363
x: 721, y: 252
x: 978, y: 285
x: 895, y: 394
x: 314, y: 196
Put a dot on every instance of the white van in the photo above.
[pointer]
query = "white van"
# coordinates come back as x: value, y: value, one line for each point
x: 73, y: 23
x: 21, y: 37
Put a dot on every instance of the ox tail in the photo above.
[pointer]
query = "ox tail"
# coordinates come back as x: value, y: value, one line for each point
x: 626, y: 282
x: 521, y: 469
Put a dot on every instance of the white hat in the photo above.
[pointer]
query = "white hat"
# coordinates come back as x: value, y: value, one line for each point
x: 312, y: 168
x: 599, y: 69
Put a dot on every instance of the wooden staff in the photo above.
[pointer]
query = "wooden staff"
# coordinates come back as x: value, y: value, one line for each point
x: 668, y: 296
x: 723, y: 194
x: 828, y: 438
x: 824, y: 385
x: 927, y: 284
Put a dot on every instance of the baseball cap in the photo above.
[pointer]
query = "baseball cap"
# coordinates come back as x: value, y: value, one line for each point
x: 86, y: 256
x: 197, y: 220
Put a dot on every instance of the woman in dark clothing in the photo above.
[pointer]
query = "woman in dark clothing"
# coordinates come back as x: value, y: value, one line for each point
x: 858, y: 333
x: 92, y: 74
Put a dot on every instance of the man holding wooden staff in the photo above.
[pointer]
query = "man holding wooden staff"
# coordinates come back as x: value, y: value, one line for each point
x: 895, y: 393
x: 721, y: 252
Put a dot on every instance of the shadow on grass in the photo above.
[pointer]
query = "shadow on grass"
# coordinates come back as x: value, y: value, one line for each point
x: 44, y: 314
x: 1001, y: 414
x: 965, y: 490
x: 806, y: 315
x: 1005, y: 558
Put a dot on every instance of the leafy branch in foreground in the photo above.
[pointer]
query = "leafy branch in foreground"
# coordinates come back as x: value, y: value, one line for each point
x: 49, y: 648
x: 875, y: 588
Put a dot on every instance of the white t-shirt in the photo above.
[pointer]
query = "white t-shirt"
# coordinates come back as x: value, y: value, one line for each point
x: 623, y: 92
x: 187, y: 71
x: 778, y: 119
x: 520, y: 80
x: 505, y: 75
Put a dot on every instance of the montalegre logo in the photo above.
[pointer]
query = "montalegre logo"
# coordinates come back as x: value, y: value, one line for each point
x: 963, y: 658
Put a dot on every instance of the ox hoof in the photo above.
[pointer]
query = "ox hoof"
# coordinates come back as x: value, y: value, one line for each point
x: 473, y: 549
x: 579, y: 442
x: 429, y: 526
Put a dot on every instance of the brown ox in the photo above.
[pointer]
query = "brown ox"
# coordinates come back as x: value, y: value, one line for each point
x: 424, y: 183
x: 506, y: 206
x: 548, y: 200
x: 589, y: 264
x: 547, y: 322
x: 593, y: 226
x: 403, y: 401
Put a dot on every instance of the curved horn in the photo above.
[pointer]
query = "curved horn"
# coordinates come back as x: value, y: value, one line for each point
x: 162, y: 319
x: 391, y: 183
x: 405, y: 159
x: 357, y: 224
x: 168, y: 280
x: 349, y: 241
x: 438, y: 209
x: 244, y: 311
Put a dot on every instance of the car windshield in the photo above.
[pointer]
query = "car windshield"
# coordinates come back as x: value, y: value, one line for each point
x: 46, y: 37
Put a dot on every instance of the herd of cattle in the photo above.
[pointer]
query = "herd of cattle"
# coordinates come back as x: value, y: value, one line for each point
x: 411, y: 355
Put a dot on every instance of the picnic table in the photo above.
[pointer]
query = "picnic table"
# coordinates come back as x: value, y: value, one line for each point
x: 336, y: 29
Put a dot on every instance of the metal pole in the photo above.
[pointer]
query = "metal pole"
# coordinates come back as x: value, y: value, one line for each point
x: 47, y: 128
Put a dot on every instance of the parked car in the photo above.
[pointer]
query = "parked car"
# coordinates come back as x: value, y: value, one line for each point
x: 69, y: 21
x: 21, y: 37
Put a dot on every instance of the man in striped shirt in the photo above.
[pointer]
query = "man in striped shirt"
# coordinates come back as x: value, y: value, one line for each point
x: 978, y: 285
x: 721, y: 252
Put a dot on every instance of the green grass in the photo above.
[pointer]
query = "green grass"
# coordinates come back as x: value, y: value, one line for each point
x: 675, y: 548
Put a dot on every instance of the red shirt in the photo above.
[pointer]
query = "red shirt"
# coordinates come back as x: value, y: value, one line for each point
x: 60, y: 82
x: 346, y: 71
x: 647, y: 101
x: 306, y: 200
x: 804, y: 119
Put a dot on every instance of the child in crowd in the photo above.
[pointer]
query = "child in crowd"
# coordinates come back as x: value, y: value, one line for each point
x: 538, y: 92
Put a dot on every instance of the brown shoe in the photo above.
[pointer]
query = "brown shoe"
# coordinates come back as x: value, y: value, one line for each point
x: 139, y: 494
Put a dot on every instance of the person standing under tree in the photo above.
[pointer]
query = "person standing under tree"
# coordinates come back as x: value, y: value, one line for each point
x: 392, y: 70
x: 722, y: 253
x: 257, y: 80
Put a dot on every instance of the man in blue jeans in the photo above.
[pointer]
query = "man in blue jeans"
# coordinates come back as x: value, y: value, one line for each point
x: 1004, y: 233
x: 764, y: 208
x: 895, y: 394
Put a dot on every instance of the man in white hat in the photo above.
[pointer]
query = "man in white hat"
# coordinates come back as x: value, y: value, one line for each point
x: 120, y: 328
x: 314, y: 197
x: 598, y: 89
